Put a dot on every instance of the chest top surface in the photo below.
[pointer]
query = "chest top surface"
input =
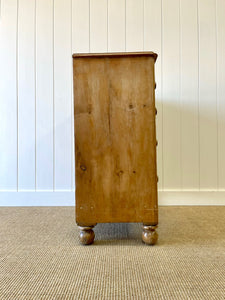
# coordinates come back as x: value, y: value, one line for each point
x: 116, y: 54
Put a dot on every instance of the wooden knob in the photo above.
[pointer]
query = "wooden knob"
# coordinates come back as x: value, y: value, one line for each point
x: 155, y: 85
x: 155, y: 111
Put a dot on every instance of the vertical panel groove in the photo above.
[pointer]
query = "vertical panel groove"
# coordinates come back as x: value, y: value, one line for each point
x: 72, y: 123
x: 98, y: 26
x: 89, y: 16
x: 125, y: 25
x: 216, y: 96
x: 62, y: 95
x: 221, y: 92
x: 199, y: 175
x: 207, y: 101
x: 189, y: 94
x: 107, y: 8
x: 143, y: 24
x: 53, y: 85
x: 116, y: 26
x: 162, y: 90
x: 26, y: 95
x: 44, y: 73
x: 180, y: 101
x: 35, y: 91
x: 17, y: 110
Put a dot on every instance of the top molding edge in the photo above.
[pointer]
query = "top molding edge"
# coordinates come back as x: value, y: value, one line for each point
x: 116, y: 54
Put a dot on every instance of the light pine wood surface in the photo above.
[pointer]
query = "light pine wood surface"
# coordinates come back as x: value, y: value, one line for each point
x: 115, y: 138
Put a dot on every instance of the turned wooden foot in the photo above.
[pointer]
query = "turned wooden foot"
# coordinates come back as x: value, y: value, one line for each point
x: 149, y: 235
x: 86, y: 235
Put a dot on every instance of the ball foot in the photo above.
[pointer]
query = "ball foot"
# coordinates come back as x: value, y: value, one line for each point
x: 86, y: 235
x: 149, y: 235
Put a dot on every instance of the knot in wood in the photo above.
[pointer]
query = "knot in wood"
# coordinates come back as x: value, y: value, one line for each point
x: 119, y: 173
x: 83, y: 168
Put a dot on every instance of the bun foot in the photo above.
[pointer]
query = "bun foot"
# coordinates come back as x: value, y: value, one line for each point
x: 149, y: 235
x: 87, y: 235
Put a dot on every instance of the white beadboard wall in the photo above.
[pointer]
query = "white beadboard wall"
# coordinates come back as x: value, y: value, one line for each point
x: 37, y: 39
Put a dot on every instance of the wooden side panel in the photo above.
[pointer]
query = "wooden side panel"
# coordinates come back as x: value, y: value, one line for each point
x: 115, y: 140
x: 92, y: 145
x: 133, y: 142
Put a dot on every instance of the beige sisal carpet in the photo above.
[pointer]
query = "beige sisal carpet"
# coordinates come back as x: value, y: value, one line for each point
x: 41, y: 258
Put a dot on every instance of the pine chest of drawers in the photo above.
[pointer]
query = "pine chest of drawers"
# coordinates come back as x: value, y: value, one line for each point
x: 115, y: 141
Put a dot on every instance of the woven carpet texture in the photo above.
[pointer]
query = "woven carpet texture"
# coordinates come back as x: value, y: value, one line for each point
x: 41, y: 258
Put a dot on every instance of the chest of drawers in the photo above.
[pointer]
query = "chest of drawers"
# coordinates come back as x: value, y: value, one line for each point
x: 115, y: 141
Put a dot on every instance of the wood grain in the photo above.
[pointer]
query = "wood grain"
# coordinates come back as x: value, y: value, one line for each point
x: 115, y: 140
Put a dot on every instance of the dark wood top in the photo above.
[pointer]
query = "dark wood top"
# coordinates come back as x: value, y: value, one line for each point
x: 116, y: 54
